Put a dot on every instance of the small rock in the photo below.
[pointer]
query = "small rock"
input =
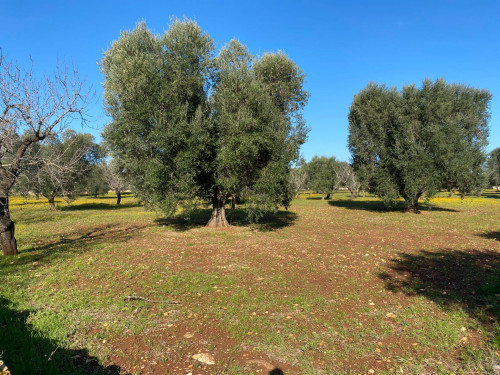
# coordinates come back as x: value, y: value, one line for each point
x: 261, y: 362
x: 188, y: 335
x: 390, y: 315
x: 204, y: 358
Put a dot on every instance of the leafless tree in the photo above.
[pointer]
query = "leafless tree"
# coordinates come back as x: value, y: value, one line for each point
x: 347, y: 178
x: 55, y: 168
x: 31, y: 110
x: 113, y: 172
x: 298, y: 178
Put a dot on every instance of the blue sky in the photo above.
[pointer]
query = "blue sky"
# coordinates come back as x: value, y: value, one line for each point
x: 340, y: 45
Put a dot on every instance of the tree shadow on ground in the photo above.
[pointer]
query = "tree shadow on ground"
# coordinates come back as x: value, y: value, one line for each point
x: 98, y: 206
x: 453, y: 279
x: 492, y: 235
x: 493, y: 194
x: 66, y: 246
x: 26, y: 351
x: 379, y: 206
x: 107, y: 197
x: 238, y: 217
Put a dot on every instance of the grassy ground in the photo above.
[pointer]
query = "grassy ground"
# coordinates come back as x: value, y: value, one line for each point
x: 328, y: 287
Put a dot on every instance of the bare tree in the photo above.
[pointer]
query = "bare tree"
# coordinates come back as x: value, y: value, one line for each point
x: 347, y: 178
x: 114, y: 173
x: 31, y: 110
x: 298, y: 178
x: 54, y: 168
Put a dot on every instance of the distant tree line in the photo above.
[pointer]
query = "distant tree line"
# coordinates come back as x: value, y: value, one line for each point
x: 324, y: 175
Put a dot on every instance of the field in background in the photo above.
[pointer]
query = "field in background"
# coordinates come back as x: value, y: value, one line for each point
x: 327, y: 287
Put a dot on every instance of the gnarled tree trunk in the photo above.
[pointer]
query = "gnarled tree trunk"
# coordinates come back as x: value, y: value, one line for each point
x: 52, y: 203
x: 412, y: 204
x: 7, y: 239
x: 218, y: 219
x: 351, y: 198
x: 118, y: 196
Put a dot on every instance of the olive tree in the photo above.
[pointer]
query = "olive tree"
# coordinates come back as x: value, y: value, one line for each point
x: 31, y: 110
x: 191, y: 125
x: 321, y: 175
x: 493, y: 168
x: 410, y: 143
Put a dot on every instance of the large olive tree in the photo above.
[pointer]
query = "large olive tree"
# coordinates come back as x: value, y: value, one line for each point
x: 190, y: 125
x: 412, y: 142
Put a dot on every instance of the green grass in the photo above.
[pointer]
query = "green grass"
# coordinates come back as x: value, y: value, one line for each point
x: 327, y: 287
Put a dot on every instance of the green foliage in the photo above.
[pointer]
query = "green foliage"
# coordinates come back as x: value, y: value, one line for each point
x: 190, y: 125
x: 94, y: 181
x: 413, y: 142
x: 321, y: 175
x: 493, y: 168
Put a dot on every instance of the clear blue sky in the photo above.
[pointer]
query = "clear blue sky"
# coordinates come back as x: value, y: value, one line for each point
x: 340, y: 45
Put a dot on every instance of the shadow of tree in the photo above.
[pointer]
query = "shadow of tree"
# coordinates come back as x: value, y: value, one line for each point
x: 66, y: 246
x: 108, y: 196
x: 98, y: 206
x: 25, y: 351
x: 493, y: 194
x: 492, y: 235
x: 237, y: 217
x: 379, y: 206
x: 453, y: 279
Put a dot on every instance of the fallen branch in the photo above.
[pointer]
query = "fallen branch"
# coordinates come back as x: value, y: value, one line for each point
x: 139, y: 298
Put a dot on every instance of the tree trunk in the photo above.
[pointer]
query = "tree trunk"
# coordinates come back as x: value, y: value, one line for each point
x: 95, y: 194
x: 118, y: 196
x: 322, y: 196
x: 351, y: 198
x: 297, y: 196
x: 52, y: 204
x: 412, y: 205
x: 218, y: 219
x: 450, y: 193
x: 233, y: 202
x: 462, y: 196
x: 7, y: 239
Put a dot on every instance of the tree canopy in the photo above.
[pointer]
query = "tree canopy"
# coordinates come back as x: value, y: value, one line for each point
x: 412, y: 142
x: 493, y: 167
x: 189, y: 124
x: 321, y: 176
